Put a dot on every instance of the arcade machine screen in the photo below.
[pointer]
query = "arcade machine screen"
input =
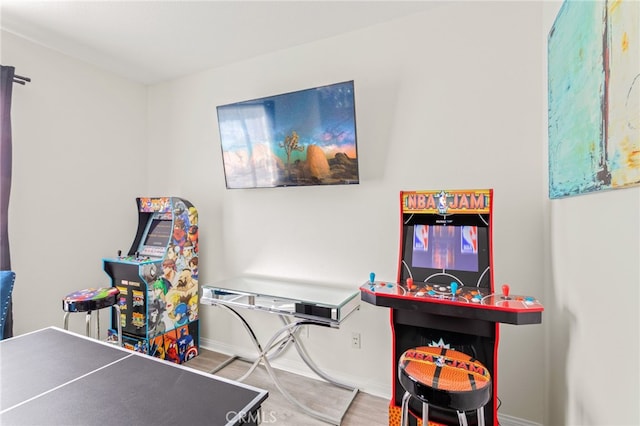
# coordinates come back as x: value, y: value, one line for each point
x: 445, y: 247
x: 437, y: 254
x: 159, y: 233
x: 157, y: 237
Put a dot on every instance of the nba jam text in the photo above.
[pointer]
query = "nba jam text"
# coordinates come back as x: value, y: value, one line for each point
x: 443, y: 202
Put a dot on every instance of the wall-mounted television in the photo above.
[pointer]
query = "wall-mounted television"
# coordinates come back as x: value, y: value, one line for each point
x: 301, y: 138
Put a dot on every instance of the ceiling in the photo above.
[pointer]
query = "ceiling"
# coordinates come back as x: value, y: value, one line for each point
x: 152, y: 41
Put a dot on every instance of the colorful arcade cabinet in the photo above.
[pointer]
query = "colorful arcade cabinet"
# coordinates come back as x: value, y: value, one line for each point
x: 444, y: 293
x: 158, y: 281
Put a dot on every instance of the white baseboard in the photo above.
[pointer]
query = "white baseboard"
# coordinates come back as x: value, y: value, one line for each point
x: 506, y: 420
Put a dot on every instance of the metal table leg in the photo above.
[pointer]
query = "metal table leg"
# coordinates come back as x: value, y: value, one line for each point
x: 281, y: 339
x: 88, y: 323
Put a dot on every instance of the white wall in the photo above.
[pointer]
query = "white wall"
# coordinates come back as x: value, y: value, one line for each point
x: 79, y: 160
x: 446, y: 99
x: 592, y: 305
x: 454, y: 98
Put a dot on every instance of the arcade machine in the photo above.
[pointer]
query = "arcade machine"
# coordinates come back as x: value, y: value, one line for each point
x: 444, y: 293
x: 158, y: 281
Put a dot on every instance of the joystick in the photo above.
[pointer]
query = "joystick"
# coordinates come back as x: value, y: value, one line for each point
x: 454, y: 288
x: 505, y: 291
x: 409, y: 283
x: 372, y: 279
x: 119, y: 253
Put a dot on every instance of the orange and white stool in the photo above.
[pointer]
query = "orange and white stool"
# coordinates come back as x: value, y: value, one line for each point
x: 443, y: 378
x: 89, y: 300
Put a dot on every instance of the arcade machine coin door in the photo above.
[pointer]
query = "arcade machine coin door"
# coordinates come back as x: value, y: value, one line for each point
x: 158, y: 281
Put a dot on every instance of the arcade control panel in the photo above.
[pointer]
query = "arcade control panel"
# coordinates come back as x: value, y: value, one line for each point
x: 136, y: 258
x: 454, y: 300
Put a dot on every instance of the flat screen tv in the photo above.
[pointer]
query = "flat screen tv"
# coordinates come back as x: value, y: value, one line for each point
x: 307, y: 137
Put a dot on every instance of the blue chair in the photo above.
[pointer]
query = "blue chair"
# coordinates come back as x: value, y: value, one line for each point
x: 7, y: 278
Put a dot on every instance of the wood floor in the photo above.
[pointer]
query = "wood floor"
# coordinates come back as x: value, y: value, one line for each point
x: 317, y: 394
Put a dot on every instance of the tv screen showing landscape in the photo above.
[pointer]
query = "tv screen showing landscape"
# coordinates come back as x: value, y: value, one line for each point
x: 307, y: 137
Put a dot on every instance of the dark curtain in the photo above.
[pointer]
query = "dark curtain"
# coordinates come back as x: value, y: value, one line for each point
x: 6, y: 90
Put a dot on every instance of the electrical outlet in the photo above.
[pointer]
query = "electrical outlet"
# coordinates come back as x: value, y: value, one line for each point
x: 355, y: 340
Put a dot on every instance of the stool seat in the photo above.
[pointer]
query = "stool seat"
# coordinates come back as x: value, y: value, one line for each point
x: 90, y: 299
x: 444, y: 378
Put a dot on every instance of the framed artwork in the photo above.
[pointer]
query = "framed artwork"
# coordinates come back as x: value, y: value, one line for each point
x: 594, y: 97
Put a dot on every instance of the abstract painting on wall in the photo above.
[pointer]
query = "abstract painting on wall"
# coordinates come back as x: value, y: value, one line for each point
x: 594, y: 97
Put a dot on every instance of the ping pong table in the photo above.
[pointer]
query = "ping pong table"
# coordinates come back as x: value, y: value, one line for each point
x: 56, y: 377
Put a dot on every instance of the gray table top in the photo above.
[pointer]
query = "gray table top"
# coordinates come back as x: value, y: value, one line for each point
x: 55, y: 377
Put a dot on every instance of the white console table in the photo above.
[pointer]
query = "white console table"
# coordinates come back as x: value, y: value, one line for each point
x: 297, y: 304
